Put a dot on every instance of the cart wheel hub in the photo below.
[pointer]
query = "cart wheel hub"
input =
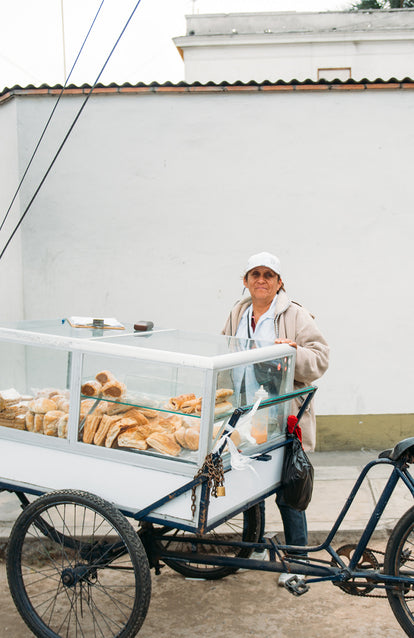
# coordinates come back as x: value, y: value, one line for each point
x: 72, y: 576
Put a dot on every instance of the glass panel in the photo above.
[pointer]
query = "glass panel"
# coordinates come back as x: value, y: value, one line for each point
x: 34, y: 393
x: 245, y: 385
x: 140, y: 406
x: 59, y: 327
x: 197, y: 343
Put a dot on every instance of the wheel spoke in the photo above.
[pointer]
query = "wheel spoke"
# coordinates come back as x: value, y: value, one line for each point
x: 81, y: 568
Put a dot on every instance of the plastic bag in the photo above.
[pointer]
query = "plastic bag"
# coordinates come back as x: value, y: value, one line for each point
x: 297, y: 476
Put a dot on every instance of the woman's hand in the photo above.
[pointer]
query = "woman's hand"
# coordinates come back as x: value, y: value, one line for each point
x: 288, y: 341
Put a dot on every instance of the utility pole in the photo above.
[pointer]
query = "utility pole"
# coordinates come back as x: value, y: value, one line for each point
x: 63, y: 43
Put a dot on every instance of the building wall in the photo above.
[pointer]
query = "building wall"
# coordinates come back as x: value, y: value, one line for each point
x: 11, y: 288
x: 158, y: 198
x: 286, y: 46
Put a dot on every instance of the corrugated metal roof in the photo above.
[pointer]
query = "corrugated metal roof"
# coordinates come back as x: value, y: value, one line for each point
x: 183, y: 87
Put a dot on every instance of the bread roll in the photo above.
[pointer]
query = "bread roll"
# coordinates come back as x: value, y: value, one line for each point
x: 62, y: 403
x: 164, y: 443
x: 42, y: 405
x: 192, y: 438
x: 104, y: 376
x: 38, y: 423
x: 51, y: 422
x: 176, y: 402
x: 63, y: 426
x: 114, y: 389
x: 90, y: 426
x: 223, y: 393
x: 30, y: 418
x: 190, y: 406
x: 91, y: 389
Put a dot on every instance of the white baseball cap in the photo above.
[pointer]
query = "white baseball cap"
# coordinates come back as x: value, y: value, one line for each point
x: 263, y: 259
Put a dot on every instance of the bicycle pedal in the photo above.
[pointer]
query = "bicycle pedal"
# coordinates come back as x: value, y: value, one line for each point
x: 296, y: 586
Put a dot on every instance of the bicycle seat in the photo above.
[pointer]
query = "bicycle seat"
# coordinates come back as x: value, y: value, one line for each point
x: 397, y: 451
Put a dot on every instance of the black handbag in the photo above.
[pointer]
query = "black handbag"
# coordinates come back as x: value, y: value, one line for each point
x: 297, y: 476
x: 269, y: 375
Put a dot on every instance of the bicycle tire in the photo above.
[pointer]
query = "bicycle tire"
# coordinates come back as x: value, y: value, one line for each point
x: 399, y: 558
x: 74, y: 589
x: 245, y: 527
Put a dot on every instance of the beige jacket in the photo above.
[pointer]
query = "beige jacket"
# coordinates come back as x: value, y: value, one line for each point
x: 294, y: 322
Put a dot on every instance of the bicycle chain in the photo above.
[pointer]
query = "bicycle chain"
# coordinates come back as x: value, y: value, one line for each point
x: 213, y: 469
x: 368, y: 595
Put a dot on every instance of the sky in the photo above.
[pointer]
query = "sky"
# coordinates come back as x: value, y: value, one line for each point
x: 40, y: 39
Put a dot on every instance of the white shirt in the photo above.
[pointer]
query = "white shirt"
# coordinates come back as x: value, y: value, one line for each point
x: 264, y: 332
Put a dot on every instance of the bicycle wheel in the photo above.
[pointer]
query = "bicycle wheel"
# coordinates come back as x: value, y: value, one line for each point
x: 399, y: 561
x: 246, y: 527
x: 89, y: 577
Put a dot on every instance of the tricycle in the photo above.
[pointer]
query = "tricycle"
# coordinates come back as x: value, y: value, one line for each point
x: 106, y: 500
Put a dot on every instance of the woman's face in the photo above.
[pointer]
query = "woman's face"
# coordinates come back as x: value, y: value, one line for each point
x: 263, y: 284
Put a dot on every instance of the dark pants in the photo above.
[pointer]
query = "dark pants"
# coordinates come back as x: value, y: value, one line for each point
x: 294, y: 524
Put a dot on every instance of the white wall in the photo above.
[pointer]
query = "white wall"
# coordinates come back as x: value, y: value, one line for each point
x: 158, y: 199
x: 273, y: 61
x: 295, y: 45
x: 11, y: 294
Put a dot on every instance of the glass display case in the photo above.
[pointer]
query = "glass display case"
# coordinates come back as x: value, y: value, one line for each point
x: 125, y: 402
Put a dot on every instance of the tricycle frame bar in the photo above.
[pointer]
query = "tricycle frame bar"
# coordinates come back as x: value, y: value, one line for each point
x: 286, y: 553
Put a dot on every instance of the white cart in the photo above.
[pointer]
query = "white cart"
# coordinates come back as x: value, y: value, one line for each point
x: 108, y: 424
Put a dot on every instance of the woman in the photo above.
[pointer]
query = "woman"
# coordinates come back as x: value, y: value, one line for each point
x: 269, y: 315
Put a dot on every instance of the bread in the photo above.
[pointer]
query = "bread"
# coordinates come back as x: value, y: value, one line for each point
x: 62, y: 403
x: 113, y: 389
x: 90, y: 426
x: 176, y: 402
x: 102, y: 431
x: 104, y: 376
x: 133, y: 439
x: 51, y: 422
x: 9, y: 397
x: 180, y: 436
x: 20, y: 422
x: 164, y: 443
x: 117, y: 428
x: 63, y: 426
x: 85, y: 407
x: 117, y: 408
x: 222, y: 393
x: 135, y: 414
x: 192, y: 438
x: 42, y: 405
x: 224, y: 406
x: 146, y: 430
x: 91, y: 389
x: 190, y: 406
x: 30, y: 418
x: 177, y: 421
x: 149, y: 414
x: 38, y: 423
